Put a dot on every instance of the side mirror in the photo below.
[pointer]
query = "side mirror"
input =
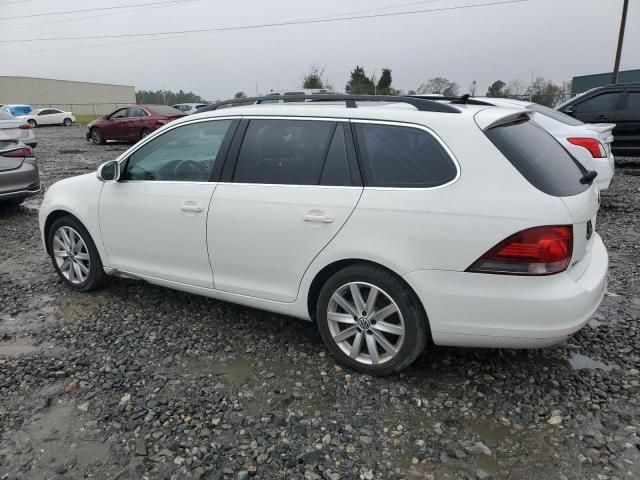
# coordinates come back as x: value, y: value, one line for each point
x: 109, y: 171
x: 568, y: 111
x: 105, y: 117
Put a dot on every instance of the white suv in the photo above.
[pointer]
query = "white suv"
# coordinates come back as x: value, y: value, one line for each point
x: 391, y: 228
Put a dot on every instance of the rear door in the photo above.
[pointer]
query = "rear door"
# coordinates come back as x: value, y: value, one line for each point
x: 290, y: 188
x: 627, y: 131
x: 599, y: 108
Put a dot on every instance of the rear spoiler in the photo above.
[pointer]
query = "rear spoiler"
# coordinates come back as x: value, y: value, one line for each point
x: 495, y: 116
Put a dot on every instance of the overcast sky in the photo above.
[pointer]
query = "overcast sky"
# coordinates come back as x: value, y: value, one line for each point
x: 556, y: 39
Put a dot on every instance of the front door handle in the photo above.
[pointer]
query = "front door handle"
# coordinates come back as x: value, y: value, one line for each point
x: 319, y: 217
x: 192, y: 207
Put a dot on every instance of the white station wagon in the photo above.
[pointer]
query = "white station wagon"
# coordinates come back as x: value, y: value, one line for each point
x: 457, y: 224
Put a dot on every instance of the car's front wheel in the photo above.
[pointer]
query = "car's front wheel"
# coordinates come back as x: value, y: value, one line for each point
x: 33, y: 123
x: 74, y: 255
x: 371, y: 320
x: 67, y: 122
x: 97, y: 137
x: 145, y: 133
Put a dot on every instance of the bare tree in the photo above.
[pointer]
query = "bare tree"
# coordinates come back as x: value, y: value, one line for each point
x: 516, y: 87
x: 437, y: 85
x: 472, y: 88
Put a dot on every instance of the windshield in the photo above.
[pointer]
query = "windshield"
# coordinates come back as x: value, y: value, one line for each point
x: 556, y: 115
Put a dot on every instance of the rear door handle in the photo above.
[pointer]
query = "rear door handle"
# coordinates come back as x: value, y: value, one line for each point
x: 317, y: 217
x: 192, y: 207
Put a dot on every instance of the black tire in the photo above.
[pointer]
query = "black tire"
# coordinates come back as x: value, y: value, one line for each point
x: 96, y: 277
x: 416, y: 324
x: 67, y: 122
x: 33, y: 123
x: 145, y: 133
x: 96, y: 136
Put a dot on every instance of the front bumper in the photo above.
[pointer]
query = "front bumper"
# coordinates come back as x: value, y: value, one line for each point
x: 505, y: 311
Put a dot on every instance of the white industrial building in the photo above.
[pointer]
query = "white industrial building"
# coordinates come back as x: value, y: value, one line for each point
x: 82, y: 98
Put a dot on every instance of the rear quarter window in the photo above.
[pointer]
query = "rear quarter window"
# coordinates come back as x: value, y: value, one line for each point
x: 539, y: 158
x: 403, y: 157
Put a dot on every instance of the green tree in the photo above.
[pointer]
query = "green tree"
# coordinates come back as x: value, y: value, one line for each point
x: 384, y: 84
x: 313, y: 79
x: 496, y: 89
x: 166, y: 97
x: 359, y: 83
x: 545, y: 92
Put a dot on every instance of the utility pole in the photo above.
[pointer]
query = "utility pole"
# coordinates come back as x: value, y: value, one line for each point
x: 623, y: 21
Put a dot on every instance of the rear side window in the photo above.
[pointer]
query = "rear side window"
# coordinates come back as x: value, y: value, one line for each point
x: 555, y: 114
x: 285, y: 152
x: 539, y: 158
x: 398, y: 156
x: 605, y: 102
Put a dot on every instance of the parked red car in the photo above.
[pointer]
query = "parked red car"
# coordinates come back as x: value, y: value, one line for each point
x: 130, y: 124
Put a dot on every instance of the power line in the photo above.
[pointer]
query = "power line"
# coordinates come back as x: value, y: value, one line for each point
x: 264, y: 25
x: 91, y: 10
x: 66, y: 20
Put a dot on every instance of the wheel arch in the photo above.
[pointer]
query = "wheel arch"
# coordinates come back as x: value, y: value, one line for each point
x: 326, y: 272
x: 55, y: 215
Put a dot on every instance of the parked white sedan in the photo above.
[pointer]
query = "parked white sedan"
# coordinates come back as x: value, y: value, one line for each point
x: 49, y: 116
x: 463, y: 225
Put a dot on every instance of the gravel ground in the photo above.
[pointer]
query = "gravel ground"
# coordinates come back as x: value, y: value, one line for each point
x: 135, y: 381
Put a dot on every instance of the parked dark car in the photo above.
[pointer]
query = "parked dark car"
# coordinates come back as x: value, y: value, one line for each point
x: 619, y: 104
x: 130, y: 124
x: 19, y: 176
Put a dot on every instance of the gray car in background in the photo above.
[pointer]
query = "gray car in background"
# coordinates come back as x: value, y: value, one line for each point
x: 19, y: 176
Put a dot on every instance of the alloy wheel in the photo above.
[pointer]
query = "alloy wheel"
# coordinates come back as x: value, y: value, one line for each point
x: 71, y: 255
x: 366, y: 323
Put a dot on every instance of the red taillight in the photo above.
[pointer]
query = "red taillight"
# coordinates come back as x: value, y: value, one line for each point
x: 25, y: 126
x: 596, y: 149
x: 25, y: 152
x: 535, y: 251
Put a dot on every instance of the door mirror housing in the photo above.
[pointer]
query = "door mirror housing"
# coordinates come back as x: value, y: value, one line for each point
x: 568, y: 111
x: 105, y: 117
x: 109, y: 171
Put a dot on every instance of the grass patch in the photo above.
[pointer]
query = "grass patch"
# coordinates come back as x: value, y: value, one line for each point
x: 86, y: 118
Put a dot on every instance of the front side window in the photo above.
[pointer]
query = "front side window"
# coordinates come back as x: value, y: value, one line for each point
x: 605, y: 102
x: 183, y: 154
x: 122, y: 113
x: 406, y: 157
x: 44, y: 112
x: 285, y: 152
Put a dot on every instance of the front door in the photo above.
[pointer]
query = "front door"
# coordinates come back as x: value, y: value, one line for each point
x: 153, y: 221
x: 601, y: 108
x: 293, y: 187
x: 114, y: 127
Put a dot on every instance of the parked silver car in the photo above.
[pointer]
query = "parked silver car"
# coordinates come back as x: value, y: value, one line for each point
x: 16, y: 130
x: 19, y: 176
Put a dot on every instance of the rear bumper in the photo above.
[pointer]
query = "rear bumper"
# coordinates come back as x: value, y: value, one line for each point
x: 505, y: 311
x: 21, y: 182
x: 17, y: 194
x: 605, y: 168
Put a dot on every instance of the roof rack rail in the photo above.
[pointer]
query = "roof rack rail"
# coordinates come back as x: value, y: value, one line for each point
x: 421, y: 104
x: 465, y: 99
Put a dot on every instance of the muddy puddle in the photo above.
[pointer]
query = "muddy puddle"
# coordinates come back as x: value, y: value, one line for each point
x: 579, y: 361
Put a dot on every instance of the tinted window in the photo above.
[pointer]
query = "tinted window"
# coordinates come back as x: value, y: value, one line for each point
x: 556, y: 115
x: 122, y: 113
x: 605, y: 102
x: 633, y: 101
x: 539, y: 158
x: 289, y: 152
x: 45, y: 112
x: 183, y: 154
x: 165, y: 110
x: 403, y: 157
x: 336, y: 166
x: 137, y: 112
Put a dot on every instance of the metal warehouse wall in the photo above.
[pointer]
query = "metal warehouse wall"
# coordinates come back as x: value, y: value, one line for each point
x: 81, y: 98
x: 586, y: 82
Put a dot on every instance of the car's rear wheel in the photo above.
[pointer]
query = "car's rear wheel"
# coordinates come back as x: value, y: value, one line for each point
x: 97, y: 137
x: 371, y: 320
x: 74, y: 255
x: 67, y: 122
x: 145, y: 133
x: 33, y: 123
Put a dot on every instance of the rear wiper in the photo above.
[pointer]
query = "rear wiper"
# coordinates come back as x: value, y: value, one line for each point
x: 589, y: 177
